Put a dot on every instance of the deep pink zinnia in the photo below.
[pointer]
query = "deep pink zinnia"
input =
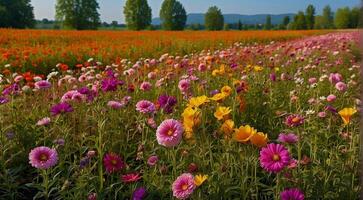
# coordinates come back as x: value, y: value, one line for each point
x: 43, y: 157
x: 131, y: 177
x: 183, y: 186
x: 274, y: 157
x: 113, y: 163
x: 292, y: 194
x: 169, y: 133
x: 145, y: 106
x: 294, y: 120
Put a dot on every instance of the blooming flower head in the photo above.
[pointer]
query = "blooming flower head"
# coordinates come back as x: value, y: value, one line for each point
x: 43, y: 122
x: 145, y: 86
x: 199, y: 179
x: 259, y: 139
x: 184, y: 85
x: 341, y: 86
x: 139, y: 193
x: 113, y: 163
x: 167, y: 103
x: 226, y: 90
x: 115, y: 104
x: 227, y: 127
x: 3, y: 100
x: 222, y: 112
x: 331, y: 98
x: 145, y: 106
x: 183, y: 186
x: 198, y: 101
x: 152, y: 160
x: 244, y: 133
x: 292, y: 194
x: 335, y: 78
x: 109, y: 84
x: 130, y: 178
x: 346, y: 114
x: 289, y: 138
x: 274, y: 157
x: 43, y: 84
x: 169, y: 133
x: 294, y: 120
x: 219, y: 97
x: 191, y: 117
x: 61, y: 108
x: 43, y: 157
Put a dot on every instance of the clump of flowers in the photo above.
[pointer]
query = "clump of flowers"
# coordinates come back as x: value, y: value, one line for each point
x: 191, y: 118
x: 167, y: 103
x: 43, y: 157
x: 61, y: 108
x: 274, y: 157
x: 184, y: 186
x: 169, y: 133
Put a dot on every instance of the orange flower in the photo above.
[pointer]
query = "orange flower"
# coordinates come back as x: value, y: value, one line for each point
x: 259, y: 139
x: 243, y: 134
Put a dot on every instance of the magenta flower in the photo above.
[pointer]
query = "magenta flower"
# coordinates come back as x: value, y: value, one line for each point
x: 169, y: 133
x: 274, y: 157
x: 184, y: 85
x: 331, y: 98
x: 167, y: 103
x: 3, y: 100
x: 294, y: 120
x: 145, y: 106
x: 183, y: 186
x: 43, y: 122
x: 335, y: 78
x: 113, y: 163
x: 115, y: 104
x: 130, y: 178
x: 292, y: 194
x: 289, y: 138
x: 42, y: 85
x: 152, y: 160
x: 139, y: 193
x: 341, y: 86
x: 43, y: 157
x: 61, y: 108
x: 145, y: 86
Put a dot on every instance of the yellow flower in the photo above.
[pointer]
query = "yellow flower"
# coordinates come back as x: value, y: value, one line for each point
x: 259, y: 139
x: 257, y: 68
x: 199, y: 179
x: 236, y: 82
x: 218, y: 97
x: 226, y: 90
x: 227, y: 127
x: 221, y: 112
x: 190, y: 119
x: 244, y: 133
x: 198, y: 101
x: 346, y: 114
x: 219, y: 71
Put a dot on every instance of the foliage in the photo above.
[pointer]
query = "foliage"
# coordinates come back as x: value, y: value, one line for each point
x: 173, y: 15
x: 268, y: 23
x: 310, y: 16
x: 214, y: 19
x: 328, y: 18
x: 16, y: 14
x: 137, y: 14
x: 342, y: 18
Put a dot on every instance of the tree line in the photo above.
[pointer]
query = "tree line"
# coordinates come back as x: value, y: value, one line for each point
x: 83, y: 14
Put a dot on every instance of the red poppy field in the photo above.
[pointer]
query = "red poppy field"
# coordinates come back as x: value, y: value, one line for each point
x: 179, y: 115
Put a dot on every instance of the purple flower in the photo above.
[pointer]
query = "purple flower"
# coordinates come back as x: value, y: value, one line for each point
x: 183, y: 186
x: 90, y: 94
x: 152, y: 160
x: 84, y: 162
x: 294, y: 120
x: 61, y: 108
x: 12, y: 89
x: 145, y: 106
x: 214, y: 92
x: 331, y: 109
x: 139, y: 193
x: 59, y: 141
x: 292, y: 194
x: 10, y: 135
x: 42, y: 85
x: 110, y: 84
x: 43, y: 157
x: 273, y: 77
x: 335, y: 78
x: 3, y: 100
x: 145, y: 86
x: 167, y: 103
x: 274, y: 157
x: 169, y: 133
x: 289, y: 138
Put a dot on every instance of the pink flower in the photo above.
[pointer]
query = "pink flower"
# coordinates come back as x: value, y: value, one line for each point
x: 312, y: 80
x: 43, y: 84
x: 43, y: 157
x: 202, y: 67
x: 322, y: 114
x: 152, y: 160
x: 145, y: 86
x: 130, y: 178
x: 115, y: 104
x: 145, y: 106
x: 151, y: 122
x: 183, y: 186
x: 294, y: 120
x: 43, y: 122
x: 184, y: 85
x: 331, y: 98
x: 292, y: 194
x: 341, y: 86
x: 151, y: 75
x: 274, y: 157
x: 169, y: 133
x: 335, y: 78
x: 113, y: 163
x: 289, y: 138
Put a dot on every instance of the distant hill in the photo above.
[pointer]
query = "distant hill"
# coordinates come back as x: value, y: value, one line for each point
x: 198, y: 18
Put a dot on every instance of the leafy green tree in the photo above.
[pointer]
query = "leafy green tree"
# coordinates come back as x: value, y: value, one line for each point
x: 239, y: 25
x: 214, y: 19
x: 16, y: 14
x: 286, y: 21
x: 342, y: 18
x: 173, y: 15
x: 299, y: 21
x: 328, y: 18
x: 355, y: 17
x: 268, y: 23
x: 310, y: 16
x: 137, y: 14
x: 319, y: 22
x: 78, y: 14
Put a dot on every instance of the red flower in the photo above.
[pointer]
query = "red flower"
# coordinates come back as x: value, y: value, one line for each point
x: 131, y: 177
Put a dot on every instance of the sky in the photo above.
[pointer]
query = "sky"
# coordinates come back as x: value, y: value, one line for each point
x: 112, y: 10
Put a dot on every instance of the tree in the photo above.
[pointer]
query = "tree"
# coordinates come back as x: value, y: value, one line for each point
x: 239, y: 25
x: 328, y: 18
x: 355, y: 17
x: 173, y: 15
x: 214, y: 19
x: 268, y: 23
x: 299, y: 21
x: 226, y: 27
x: 286, y: 21
x: 310, y: 16
x: 342, y: 18
x: 137, y: 14
x: 319, y: 22
x: 78, y: 14
x: 16, y: 14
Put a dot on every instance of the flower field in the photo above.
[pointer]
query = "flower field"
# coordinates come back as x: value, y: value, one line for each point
x: 154, y: 115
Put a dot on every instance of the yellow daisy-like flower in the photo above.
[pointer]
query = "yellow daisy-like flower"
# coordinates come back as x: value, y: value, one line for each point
x: 244, y: 133
x: 257, y: 68
x: 199, y: 179
x: 219, y: 71
x: 227, y: 127
x: 190, y: 119
x: 198, y: 101
x: 219, y: 97
x: 346, y: 114
x: 259, y: 139
x: 221, y: 112
x: 226, y: 90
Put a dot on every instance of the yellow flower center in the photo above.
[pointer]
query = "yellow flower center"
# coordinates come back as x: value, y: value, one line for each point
x: 170, y: 132
x: 43, y: 157
x: 276, y: 157
x: 184, y: 186
x: 114, y: 162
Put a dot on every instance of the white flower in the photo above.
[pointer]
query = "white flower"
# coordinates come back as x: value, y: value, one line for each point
x: 51, y: 75
x: 90, y: 60
x: 310, y: 112
x: 323, y: 98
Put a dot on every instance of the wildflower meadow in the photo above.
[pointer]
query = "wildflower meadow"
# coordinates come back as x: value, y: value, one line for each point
x: 273, y: 115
